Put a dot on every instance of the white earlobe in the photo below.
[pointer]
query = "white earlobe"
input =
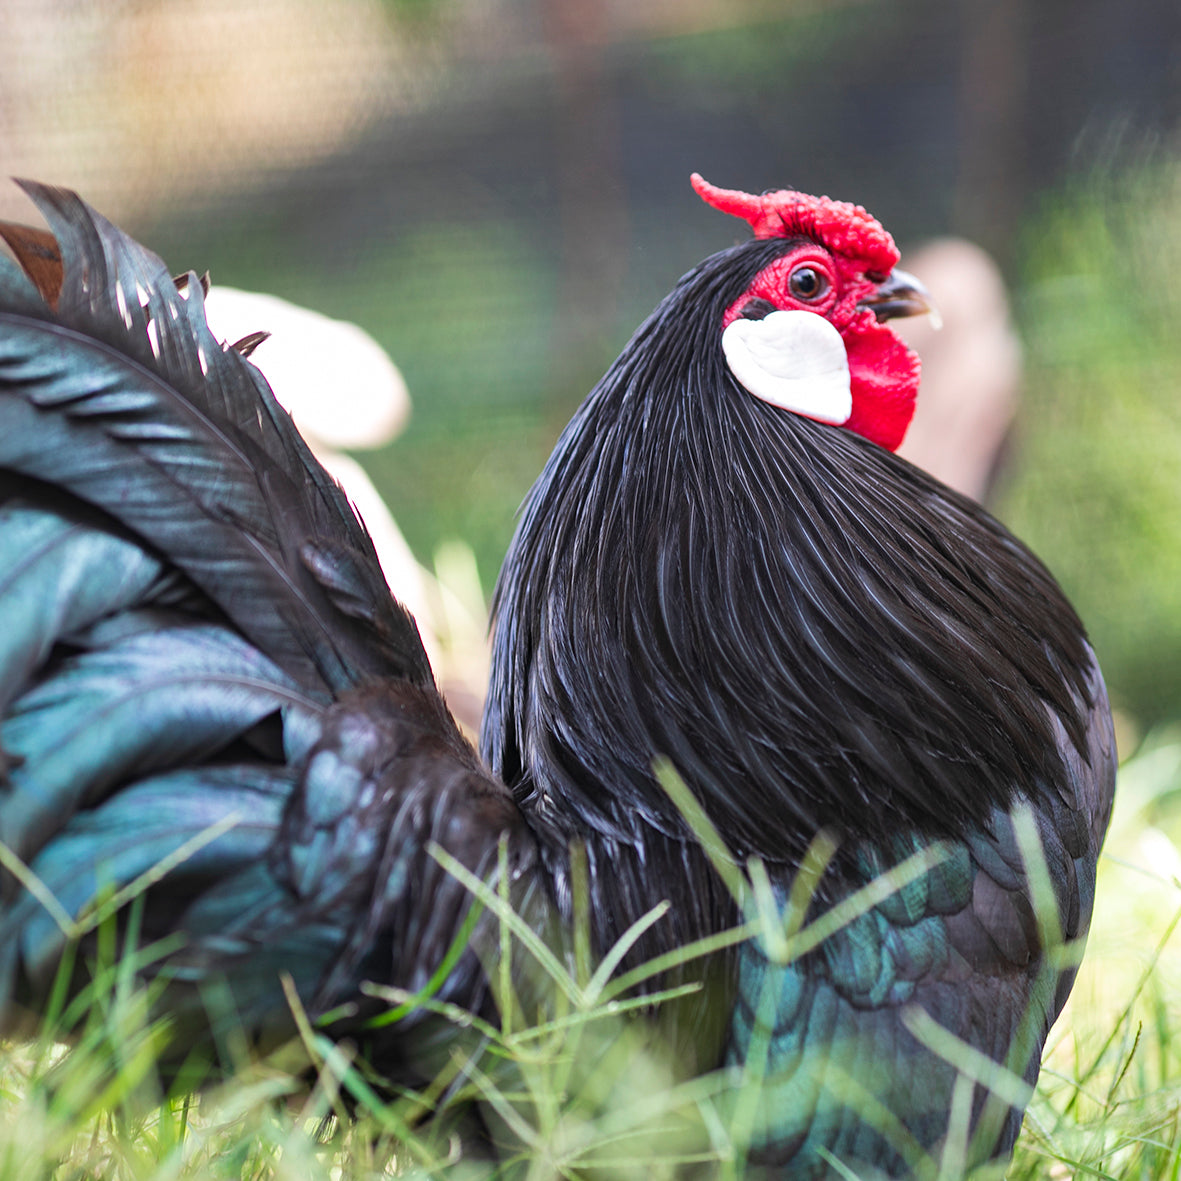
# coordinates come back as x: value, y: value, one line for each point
x: 795, y: 360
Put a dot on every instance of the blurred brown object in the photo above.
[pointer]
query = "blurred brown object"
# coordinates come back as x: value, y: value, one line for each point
x: 971, y: 367
x: 36, y: 250
x: 138, y: 105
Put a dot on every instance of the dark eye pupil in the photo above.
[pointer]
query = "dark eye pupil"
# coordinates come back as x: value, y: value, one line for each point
x: 805, y: 282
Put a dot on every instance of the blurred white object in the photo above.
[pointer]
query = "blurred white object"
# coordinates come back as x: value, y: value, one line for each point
x: 971, y: 367
x: 343, y: 391
x: 334, y: 379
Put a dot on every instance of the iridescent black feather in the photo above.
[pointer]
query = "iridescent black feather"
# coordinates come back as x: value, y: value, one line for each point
x: 819, y: 637
x: 121, y: 395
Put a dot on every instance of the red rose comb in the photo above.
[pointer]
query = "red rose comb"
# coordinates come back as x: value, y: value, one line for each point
x: 842, y: 227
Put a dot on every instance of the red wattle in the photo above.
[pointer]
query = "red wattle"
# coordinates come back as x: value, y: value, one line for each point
x: 884, y: 376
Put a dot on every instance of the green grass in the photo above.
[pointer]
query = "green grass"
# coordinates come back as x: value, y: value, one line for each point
x: 1096, y: 487
x: 585, y: 1089
x: 1109, y: 1096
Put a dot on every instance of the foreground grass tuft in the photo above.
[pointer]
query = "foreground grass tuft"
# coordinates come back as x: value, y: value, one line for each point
x: 587, y: 1092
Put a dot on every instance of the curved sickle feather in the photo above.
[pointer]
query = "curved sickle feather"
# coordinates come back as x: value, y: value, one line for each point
x: 121, y: 395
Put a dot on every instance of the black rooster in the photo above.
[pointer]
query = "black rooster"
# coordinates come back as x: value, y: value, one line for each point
x: 722, y: 566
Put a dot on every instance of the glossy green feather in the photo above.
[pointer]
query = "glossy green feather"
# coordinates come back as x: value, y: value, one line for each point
x: 148, y: 703
x: 123, y: 397
x: 104, y: 849
x: 56, y: 577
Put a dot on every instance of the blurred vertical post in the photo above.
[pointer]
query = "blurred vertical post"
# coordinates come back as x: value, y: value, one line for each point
x: 972, y: 368
x: 591, y: 204
x: 993, y: 130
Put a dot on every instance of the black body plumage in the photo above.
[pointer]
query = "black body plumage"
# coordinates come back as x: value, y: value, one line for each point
x: 196, y: 639
x: 819, y: 637
x: 818, y: 634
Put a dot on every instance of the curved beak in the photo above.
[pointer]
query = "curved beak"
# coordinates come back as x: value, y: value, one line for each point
x: 901, y: 294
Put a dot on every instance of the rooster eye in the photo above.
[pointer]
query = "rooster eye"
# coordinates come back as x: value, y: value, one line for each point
x: 807, y: 283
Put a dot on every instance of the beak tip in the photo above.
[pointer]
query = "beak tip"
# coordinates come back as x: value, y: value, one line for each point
x: 901, y: 294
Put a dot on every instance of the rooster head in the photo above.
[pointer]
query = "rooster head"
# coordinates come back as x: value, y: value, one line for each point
x: 808, y: 334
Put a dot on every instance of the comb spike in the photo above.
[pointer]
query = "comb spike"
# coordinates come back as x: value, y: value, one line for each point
x: 734, y: 202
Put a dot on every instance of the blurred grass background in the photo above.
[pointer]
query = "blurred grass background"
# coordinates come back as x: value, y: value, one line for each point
x: 498, y: 191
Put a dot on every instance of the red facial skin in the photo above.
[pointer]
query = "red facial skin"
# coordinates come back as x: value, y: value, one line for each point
x: 883, y: 372
x: 846, y: 247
